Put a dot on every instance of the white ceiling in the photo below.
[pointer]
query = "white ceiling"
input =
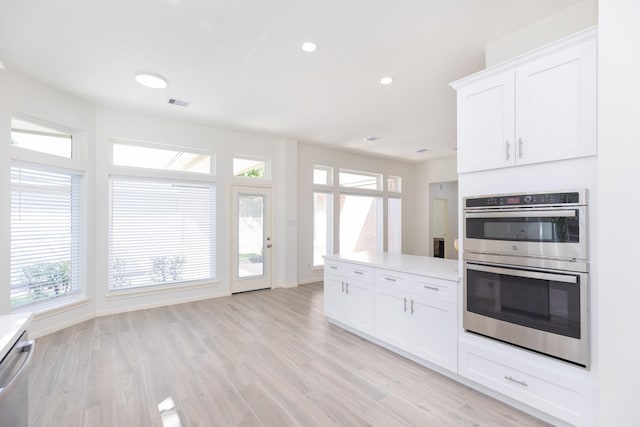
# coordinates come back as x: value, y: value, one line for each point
x: 239, y: 63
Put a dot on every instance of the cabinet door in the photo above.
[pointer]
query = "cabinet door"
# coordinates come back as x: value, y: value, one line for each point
x: 392, y: 317
x: 433, y: 332
x: 359, y: 312
x: 335, y: 302
x: 486, y: 123
x: 556, y: 106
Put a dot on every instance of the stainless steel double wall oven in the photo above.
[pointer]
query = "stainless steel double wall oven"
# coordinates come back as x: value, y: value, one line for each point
x: 526, y: 276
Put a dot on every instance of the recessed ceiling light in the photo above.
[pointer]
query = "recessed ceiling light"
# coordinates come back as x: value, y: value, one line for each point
x: 151, y: 80
x: 386, y: 80
x: 309, y: 46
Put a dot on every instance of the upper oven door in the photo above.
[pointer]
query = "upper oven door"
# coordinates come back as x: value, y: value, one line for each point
x: 540, y: 232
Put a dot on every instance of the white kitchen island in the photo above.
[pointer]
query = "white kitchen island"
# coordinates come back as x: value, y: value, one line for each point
x: 406, y: 303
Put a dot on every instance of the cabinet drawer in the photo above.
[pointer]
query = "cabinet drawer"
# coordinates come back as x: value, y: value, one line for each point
x: 360, y: 272
x: 393, y: 279
x: 567, y: 397
x: 335, y: 268
x: 430, y: 287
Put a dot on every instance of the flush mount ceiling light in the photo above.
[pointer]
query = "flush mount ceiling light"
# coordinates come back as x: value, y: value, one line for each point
x: 151, y: 80
x: 309, y: 47
x: 386, y: 80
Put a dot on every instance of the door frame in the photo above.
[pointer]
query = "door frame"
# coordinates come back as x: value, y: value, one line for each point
x: 265, y: 281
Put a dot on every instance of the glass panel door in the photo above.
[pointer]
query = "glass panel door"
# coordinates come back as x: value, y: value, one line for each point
x: 251, y: 239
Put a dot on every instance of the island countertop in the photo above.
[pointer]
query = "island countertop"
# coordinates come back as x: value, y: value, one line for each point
x: 11, y: 326
x: 425, y: 266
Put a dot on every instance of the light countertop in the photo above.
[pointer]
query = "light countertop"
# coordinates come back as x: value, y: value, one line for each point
x: 11, y: 326
x: 425, y: 266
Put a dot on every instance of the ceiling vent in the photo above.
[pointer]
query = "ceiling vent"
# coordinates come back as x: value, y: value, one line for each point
x: 178, y: 102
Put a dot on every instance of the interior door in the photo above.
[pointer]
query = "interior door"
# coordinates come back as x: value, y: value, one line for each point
x: 251, y: 238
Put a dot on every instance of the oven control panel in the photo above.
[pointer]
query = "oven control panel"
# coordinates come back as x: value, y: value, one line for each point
x: 506, y: 200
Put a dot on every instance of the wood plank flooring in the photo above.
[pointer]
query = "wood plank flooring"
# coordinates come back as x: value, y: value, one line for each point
x: 266, y: 358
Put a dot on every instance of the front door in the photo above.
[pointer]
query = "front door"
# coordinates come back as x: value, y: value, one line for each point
x: 251, y: 238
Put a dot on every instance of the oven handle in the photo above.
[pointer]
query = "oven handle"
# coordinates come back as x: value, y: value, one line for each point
x: 524, y: 273
x: 520, y: 214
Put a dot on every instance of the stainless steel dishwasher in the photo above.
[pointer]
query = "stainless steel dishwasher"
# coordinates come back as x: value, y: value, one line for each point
x: 14, y: 383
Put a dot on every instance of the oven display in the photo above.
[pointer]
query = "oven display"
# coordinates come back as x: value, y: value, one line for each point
x: 513, y: 201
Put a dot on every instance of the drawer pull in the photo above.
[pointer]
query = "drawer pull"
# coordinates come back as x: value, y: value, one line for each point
x: 433, y: 288
x: 510, y: 378
x: 391, y: 279
x: 358, y: 272
x: 333, y: 267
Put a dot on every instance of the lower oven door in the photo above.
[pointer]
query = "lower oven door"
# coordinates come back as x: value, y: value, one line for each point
x: 538, y: 309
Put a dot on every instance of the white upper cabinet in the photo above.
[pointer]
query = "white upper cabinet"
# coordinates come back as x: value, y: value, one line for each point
x: 537, y: 108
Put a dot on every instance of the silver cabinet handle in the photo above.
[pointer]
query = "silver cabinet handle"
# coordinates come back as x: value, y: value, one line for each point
x: 519, y: 147
x: 333, y: 267
x: 412, y: 310
x: 390, y: 279
x: 405, y: 305
x: 433, y: 288
x: 347, y: 288
x: 343, y: 287
x: 25, y: 347
x: 507, y: 149
x: 510, y: 378
x: 358, y: 272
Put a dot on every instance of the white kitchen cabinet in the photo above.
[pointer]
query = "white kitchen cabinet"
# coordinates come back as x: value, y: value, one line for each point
x: 433, y: 308
x: 537, y: 108
x: 547, y: 385
x: 392, y: 316
x: 347, y: 298
x: 418, y: 314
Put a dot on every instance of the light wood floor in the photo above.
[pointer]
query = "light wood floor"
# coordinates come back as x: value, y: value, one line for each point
x: 266, y: 358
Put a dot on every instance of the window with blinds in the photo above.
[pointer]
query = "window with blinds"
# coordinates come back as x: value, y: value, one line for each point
x: 45, y: 234
x: 161, y: 232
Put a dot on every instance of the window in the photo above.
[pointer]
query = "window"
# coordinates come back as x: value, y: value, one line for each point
x: 364, y: 180
x: 394, y: 184
x: 161, y: 231
x: 360, y: 223
x: 141, y: 156
x: 394, y: 225
x: 322, y: 227
x: 322, y: 175
x: 35, y: 137
x: 252, y: 168
x: 45, y: 234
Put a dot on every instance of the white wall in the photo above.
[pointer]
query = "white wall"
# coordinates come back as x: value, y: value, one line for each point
x: 583, y: 14
x: 430, y: 172
x: 618, y: 234
x: 97, y: 125
x: 310, y: 155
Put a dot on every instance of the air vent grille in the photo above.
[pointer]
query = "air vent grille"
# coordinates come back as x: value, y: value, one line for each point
x: 178, y: 102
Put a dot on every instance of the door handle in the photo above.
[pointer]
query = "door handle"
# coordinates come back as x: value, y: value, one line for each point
x: 519, y: 147
x: 405, y: 305
x: 29, y: 348
x: 269, y: 245
x: 507, y: 149
x: 412, y: 310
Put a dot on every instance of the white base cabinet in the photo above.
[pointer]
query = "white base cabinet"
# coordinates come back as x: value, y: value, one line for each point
x: 410, y: 312
x: 418, y: 314
x: 349, y: 295
x: 551, y: 387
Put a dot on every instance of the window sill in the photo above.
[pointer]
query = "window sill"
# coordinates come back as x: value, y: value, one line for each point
x: 51, y: 308
x: 116, y: 294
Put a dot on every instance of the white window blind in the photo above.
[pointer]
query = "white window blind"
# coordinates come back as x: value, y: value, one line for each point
x: 45, y: 234
x: 161, y: 231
